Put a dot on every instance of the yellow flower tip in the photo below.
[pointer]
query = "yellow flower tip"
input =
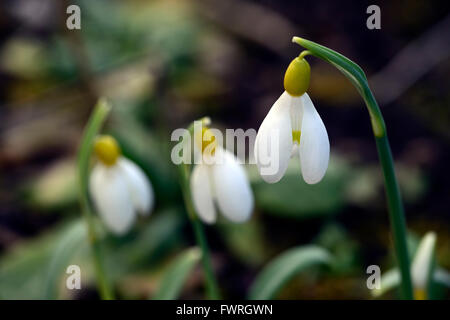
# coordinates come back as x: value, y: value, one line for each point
x: 296, y: 134
x: 420, y: 294
x: 296, y: 78
x: 107, y: 150
x: 207, y: 141
x: 206, y: 121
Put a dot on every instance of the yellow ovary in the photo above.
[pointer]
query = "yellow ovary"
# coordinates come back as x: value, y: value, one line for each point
x: 107, y: 150
x: 296, y: 78
x: 420, y: 294
x: 207, y: 141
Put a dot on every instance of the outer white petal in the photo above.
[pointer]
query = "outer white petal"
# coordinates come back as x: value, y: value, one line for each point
x: 232, y: 189
x: 111, y: 196
x: 139, y: 186
x: 202, y: 193
x: 423, y: 259
x: 273, y: 143
x: 314, y: 144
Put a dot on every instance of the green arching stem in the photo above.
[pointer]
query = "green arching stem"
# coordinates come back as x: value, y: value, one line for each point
x: 395, y: 205
x: 210, y: 279
x: 212, y: 288
x: 91, y: 130
x: 354, y: 73
x: 304, y: 53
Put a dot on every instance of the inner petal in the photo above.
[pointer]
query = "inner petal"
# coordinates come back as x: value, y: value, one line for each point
x: 296, y: 113
x: 296, y: 134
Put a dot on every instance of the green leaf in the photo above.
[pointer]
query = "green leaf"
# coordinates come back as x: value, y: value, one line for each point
x: 153, y: 241
x: 34, y: 269
x: 293, y: 198
x: 71, y: 241
x: 24, y: 271
x: 342, y: 247
x: 146, y: 149
x: 245, y: 241
x: 284, y: 267
x: 177, y: 273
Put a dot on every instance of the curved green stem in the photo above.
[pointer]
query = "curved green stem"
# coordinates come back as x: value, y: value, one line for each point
x: 211, y: 283
x: 396, y: 212
x: 91, y: 130
x: 210, y: 279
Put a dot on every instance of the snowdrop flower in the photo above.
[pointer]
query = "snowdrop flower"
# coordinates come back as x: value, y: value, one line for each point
x: 219, y: 180
x: 293, y: 127
x: 423, y: 271
x: 421, y: 267
x: 118, y: 187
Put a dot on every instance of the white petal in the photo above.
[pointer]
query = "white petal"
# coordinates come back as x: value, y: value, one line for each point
x: 423, y: 259
x: 295, y: 151
x: 111, y: 196
x: 314, y: 144
x: 232, y: 189
x: 273, y: 143
x: 202, y: 193
x: 140, y: 188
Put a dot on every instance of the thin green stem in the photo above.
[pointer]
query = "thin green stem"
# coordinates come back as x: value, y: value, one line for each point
x: 304, y: 53
x: 396, y: 214
x: 90, y: 132
x: 212, y: 289
x: 395, y: 205
x: 210, y: 279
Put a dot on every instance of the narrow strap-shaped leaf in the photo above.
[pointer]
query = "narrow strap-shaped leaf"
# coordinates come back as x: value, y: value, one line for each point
x: 71, y: 241
x: 177, y: 274
x: 283, y: 268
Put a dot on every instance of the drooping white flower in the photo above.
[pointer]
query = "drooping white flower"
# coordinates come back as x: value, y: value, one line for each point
x: 220, y: 182
x: 293, y: 128
x: 118, y: 187
x: 421, y: 267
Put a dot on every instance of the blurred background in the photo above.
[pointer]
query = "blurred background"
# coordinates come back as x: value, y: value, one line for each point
x: 163, y: 64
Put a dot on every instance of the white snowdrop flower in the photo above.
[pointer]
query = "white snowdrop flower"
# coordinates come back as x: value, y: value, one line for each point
x: 293, y: 127
x: 219, y: 180
x: 421, y: 267
x: 118, y: 187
